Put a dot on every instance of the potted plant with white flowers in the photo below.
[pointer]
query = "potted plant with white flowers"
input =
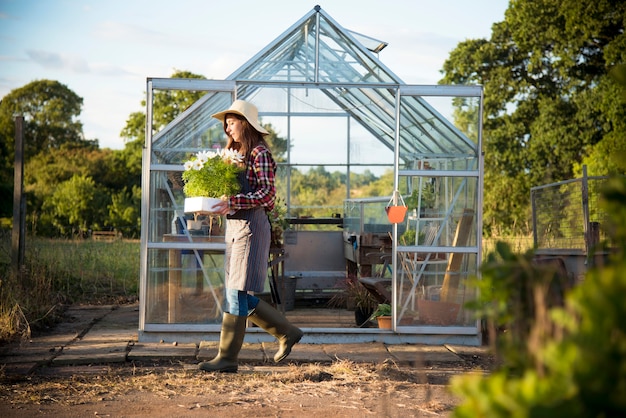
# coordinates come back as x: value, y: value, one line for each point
x: 209, y: 176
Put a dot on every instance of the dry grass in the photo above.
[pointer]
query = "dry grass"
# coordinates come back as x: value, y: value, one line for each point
x: 340, y: 379
x: 59, y: 272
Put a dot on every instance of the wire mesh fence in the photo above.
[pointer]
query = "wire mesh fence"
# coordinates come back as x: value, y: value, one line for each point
x: 568, y: 215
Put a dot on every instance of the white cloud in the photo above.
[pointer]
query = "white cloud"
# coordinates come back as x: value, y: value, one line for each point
x: 52, y: 60
x: 118, y: 31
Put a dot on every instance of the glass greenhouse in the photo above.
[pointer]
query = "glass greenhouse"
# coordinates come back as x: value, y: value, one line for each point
x: 337, y: 113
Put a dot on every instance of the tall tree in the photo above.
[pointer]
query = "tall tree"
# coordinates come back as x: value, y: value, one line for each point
x: 548, y: 98
x: 44, y: 172
x: 167, y: 105
x: 50, y: 111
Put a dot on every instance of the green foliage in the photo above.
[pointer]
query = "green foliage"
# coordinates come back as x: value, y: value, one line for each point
x: 408, y: 237
x: 278, y: 221
x: 216, y: 179
x: 383, y: 309
x: 427, y: 197
x: 513, y: 291
x: 124, y: 212
x: 618, y: 73
x: 167, y: 104
x: 579, y: 375
x: 608, y: 156
x: 369, y: 186
x: 112, y: 171
x: 567, y: 361
x: 76, y: 205
x: 277, y: 144
x: 50, y: 110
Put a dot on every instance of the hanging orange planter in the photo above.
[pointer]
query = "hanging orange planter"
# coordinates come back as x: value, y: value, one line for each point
x: 396, y: 211
x: 396, y: 214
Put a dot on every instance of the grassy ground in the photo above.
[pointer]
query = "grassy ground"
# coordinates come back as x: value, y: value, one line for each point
x: 59, y: 272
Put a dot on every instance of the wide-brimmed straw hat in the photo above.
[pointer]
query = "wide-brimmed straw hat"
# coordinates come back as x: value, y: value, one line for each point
x: 245, y: 109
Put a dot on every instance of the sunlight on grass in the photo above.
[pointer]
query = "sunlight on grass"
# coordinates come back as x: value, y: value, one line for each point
x: 89, y: 269
x: 59, y: 272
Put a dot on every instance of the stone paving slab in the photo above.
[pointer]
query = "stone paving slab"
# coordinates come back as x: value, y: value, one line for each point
x: 312, y: 353
x: 468, y: 349
x: 365, y: 352
x: 49, y: 343
x: 162, y: 351
x: 78, y: 319
x: 108, y: 335
x: 250, y: 352
x: 24, y: 359
x: 28, y: 350
x: 74, y: 370
x: 119, y: 325
x: 92, y: 353
x: 34, y: 357
x: 424, y: 355
x: 19, y: 369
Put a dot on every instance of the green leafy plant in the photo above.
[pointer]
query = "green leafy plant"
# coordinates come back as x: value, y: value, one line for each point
x: 383, y: 309
x: 572, y: 357
x: 212, y: 174
x: 278, y: 221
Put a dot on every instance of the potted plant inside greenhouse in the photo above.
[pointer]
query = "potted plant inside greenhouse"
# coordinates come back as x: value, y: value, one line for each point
x: 382, y: 314
x: 209, y: 176
x: 354, y: 296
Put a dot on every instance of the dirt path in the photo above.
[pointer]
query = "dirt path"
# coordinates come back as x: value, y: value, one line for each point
x: 167, y: 388
x: 340, y: 389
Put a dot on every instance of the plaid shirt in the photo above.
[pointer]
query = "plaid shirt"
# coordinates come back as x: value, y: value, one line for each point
x: 260, y: 173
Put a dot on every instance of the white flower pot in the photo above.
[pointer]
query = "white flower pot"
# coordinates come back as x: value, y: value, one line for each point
x: 200, y: 204
x: 194, y: 225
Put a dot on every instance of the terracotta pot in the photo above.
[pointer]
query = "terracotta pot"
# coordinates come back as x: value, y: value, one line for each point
x: 384, y: 322
x: 396, y: 214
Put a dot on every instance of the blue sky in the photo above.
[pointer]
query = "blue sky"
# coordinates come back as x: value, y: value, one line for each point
x: 104, y: 50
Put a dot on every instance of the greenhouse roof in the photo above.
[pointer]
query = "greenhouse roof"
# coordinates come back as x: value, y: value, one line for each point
x: 319, y: 53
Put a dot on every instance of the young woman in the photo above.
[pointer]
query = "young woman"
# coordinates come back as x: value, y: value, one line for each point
x: 248, y: 241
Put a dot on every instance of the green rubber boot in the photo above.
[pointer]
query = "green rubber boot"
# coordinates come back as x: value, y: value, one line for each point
x: 275, y: 323
x: 231, y: 340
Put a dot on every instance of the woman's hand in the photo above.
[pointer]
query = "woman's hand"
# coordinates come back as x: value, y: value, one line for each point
x: 221, y: 208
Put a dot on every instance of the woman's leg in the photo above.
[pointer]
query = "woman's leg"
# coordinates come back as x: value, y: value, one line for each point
x: 276, y: 324
x: 239, y: 301
x: 231, y: 335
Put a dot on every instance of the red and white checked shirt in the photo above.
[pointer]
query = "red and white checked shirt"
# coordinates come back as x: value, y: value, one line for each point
x: 260, y: 173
